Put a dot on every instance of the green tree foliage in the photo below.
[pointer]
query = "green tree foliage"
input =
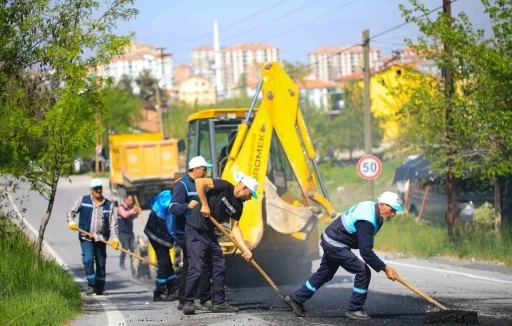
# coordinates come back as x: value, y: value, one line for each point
x: 344, y: 131
x: 48, y: 105
x: 473, y: 140
x: 147, y: 84
x: 124, y: 110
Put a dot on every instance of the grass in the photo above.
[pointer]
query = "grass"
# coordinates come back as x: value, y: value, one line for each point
x: 425, y: 240
x: 46, y: 297
x: 345, y: 188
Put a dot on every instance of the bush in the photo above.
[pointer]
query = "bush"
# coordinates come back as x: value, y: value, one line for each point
x: 484, y: 214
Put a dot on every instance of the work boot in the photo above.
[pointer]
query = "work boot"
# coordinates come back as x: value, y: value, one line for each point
x: 224, y: 307
x: 358, y: 314
x: 297, y: 307
x: 101, y: 292
x: 180, y: 306
x: 188, y: 308
x: 90, y: 291
x: 158, y: 296
x: 205, y: 306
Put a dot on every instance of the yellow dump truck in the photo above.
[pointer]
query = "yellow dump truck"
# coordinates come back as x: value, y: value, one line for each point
x: 142, y: 164
x: 270, y: 143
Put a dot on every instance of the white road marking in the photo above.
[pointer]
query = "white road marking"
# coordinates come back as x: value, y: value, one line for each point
x: 114, y: 316
x: 450, y: 272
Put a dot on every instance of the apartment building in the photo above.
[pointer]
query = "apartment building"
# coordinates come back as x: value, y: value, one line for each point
x: 333, y: 62
x: 181, y: 72
x: 203, y: 62
x: 235, y: 60
x: 137, y: 58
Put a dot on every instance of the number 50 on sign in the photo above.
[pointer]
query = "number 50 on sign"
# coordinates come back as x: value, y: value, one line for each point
x: 369, y: 167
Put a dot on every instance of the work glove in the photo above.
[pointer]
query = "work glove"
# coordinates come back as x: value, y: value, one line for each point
x: 115, y: 244
x: 72, y: 226
x: 97, y: 237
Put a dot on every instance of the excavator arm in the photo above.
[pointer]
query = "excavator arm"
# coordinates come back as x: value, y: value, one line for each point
x: 278, y: 126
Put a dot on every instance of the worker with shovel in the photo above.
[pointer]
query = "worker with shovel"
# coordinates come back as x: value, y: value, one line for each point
x: 184, y: 199
x: 97, y: 217
x: 354, y: 229
x: 221, y: 202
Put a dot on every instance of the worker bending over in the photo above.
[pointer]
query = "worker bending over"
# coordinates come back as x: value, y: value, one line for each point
x: 222, y: 201
x: 354, y: 229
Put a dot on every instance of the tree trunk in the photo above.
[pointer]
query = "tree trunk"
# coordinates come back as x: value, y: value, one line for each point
x: 42, y: 227
x: 453, y: 207
x: 497, y: 206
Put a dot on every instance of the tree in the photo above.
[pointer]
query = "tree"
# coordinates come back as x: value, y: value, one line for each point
x: 297, y: 71
x: 124, y: 110
x: 125, y: 83
x: 148, y: 85
x: 473, y: 140
x: 242, y: 85
x: 49, y: 106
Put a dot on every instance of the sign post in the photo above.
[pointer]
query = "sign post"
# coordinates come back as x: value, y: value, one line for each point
x: 369, y: 167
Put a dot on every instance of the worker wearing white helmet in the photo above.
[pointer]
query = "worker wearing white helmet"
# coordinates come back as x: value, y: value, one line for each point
x: 354, y: 229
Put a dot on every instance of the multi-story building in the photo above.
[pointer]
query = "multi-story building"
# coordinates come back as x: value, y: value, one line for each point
x: 235, y: 60
x: 137, y: 58
x: 203, y: 62
x: 196, y: 90
x: 245, y: 59
x: 333, y: 62
x: 181, y: 72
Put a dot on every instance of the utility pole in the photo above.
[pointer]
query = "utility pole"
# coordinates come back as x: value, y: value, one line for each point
x: 452, y: 212
x: 367, y: 112
x: 158, y: 102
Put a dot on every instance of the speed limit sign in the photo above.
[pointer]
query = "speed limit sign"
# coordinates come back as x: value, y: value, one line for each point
x: 369, y: 167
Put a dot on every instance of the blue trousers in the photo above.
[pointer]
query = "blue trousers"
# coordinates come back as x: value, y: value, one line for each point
x: 200, y: 247
x: 332, y: 259
x: 165, y: 277
x: 205, y: 288
x: 92, y: 252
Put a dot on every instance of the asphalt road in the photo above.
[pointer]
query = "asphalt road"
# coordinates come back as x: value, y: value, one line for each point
x: 456, y: 284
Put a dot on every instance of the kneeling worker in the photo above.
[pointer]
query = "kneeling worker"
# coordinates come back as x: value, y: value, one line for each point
x: 354, y: 229
x: 225, y: 201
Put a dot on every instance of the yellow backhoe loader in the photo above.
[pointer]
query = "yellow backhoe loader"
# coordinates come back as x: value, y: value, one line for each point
x: 270, y: 143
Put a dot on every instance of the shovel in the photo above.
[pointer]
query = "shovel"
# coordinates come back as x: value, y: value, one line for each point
x: 122, y: 249
x: 445, y: 315
x: 258, y: 268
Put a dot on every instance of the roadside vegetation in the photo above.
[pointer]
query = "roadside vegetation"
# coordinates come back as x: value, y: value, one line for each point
x: 48, y: 296
x: 477, y: 240
x: 424, y: 240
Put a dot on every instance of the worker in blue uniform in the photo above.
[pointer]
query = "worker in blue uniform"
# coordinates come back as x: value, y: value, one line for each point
x: 184, y: 199
x: 354, y: 229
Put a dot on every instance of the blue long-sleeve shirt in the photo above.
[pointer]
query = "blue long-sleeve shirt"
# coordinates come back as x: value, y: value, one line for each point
x: 363, y: 236
x: 179, y: 203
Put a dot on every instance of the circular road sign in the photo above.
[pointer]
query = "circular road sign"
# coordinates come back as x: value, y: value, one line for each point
x: 369, y: 167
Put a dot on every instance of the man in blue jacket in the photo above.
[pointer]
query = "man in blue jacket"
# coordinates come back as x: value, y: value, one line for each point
x: 96, y: 215
x: 354, y: 229
x: 184, y: 198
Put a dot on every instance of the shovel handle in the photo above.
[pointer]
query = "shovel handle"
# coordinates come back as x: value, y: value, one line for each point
x: 140, y: 210
x: 420, y: 293
x: 120, y: 248
x: 258, y: 268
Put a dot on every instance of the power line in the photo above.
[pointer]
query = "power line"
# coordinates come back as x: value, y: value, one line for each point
x: 257, y: 13
x: 277, y: 18
x: 311, y: 20
x: 407, y: 22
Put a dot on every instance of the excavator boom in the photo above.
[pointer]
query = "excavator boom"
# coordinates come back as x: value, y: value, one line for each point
x: 276, y: 150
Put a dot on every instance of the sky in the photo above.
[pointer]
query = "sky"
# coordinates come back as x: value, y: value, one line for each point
x: 296, y: 27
